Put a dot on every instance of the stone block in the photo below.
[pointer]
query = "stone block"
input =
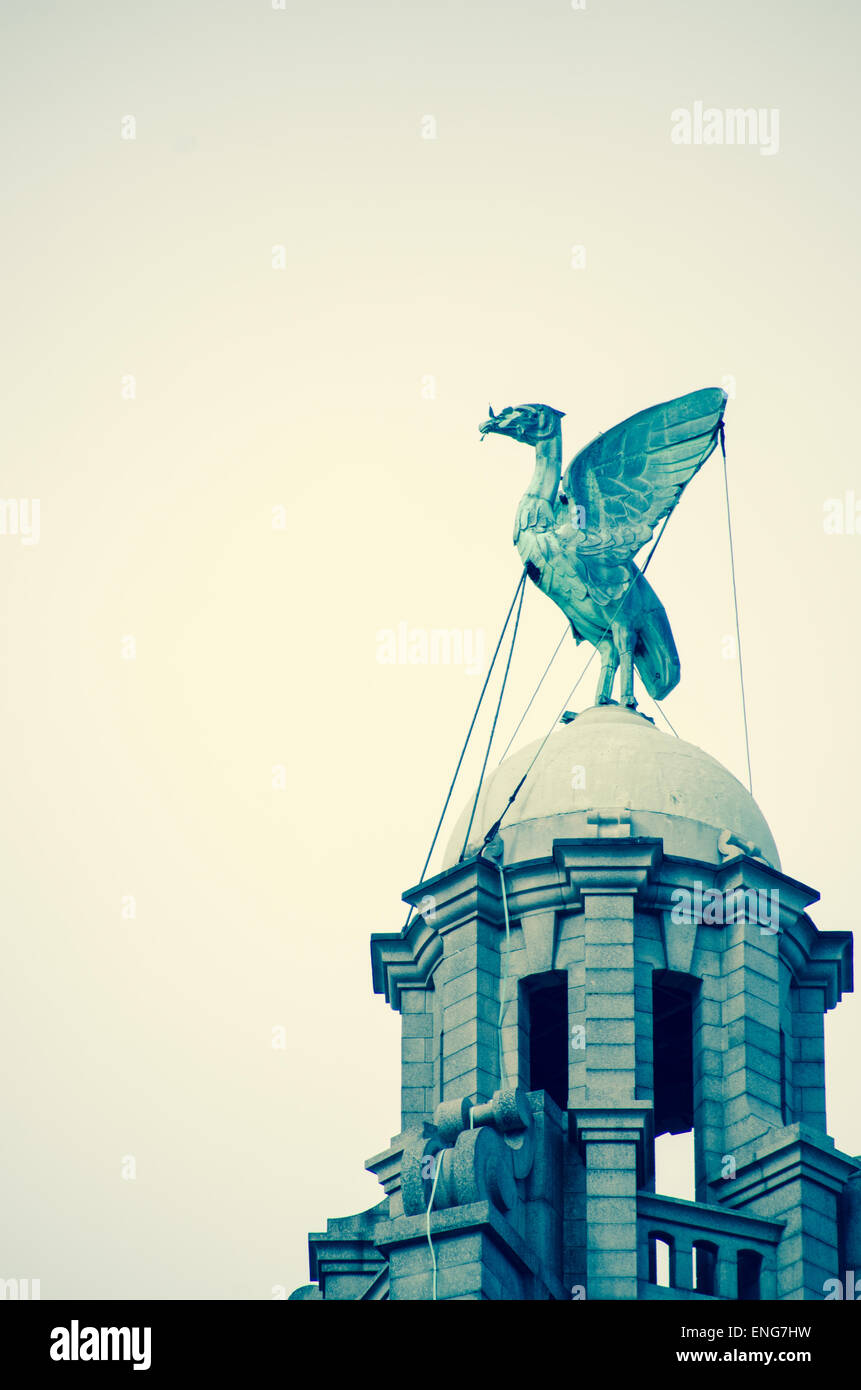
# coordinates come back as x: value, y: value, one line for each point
x: 609, y: 1057
x: 808, y: 1074
x: 454, y: 1039
x: 750, y: 1030
x: 620, y: 1235
x: 414, y: 1049
x: 611, y: 931
x: 417, y: 1026
x: 416, y: 1259
x: 710, y: 1038
x: 706, y: 1011
x: 609, y: 981
x: 708, y: 1062
x: 608, y: 1030
x: 608, y: 1006
x: 599, y: 906
x: 413, y: 1001
x: 707, y: 962
x: 752, y: 1084
x: 711, y: 1089
x: 808, y: 1025
x: 810, y: 1000
x: 413, y: 1099
x: 749, y: 1006
x: 615, y: 1287
x: 415, y: 1074
x: 415, y: 1287
x: 604, y: 1210
x: 474, y: 961
x: 461, y: 1280
x: 472, y: 1006
x: 469, y: 983
x: 602, y: 958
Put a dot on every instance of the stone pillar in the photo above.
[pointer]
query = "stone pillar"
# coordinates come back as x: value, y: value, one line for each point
x: 610, y: 1054
x: 467, y: 980
x: 683, y: 1264
x: 709, y: 1044
x: 612, y: 1142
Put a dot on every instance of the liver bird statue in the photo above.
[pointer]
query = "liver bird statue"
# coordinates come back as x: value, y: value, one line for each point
x: 578, y: 540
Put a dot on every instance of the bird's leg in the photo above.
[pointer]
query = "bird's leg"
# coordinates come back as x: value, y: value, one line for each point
x: 624, y: 638
x: 609, y: 666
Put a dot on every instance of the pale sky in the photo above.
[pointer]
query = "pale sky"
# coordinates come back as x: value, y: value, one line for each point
x: 422, y: 277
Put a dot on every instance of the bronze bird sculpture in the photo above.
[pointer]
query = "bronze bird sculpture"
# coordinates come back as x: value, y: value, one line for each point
x: 578, y: 540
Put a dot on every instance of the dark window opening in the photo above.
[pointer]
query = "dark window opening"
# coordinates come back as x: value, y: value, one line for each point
x: 673, y: 1052
x: 705, y: 1267
x: 749, y: 1270
x: 545, y: 999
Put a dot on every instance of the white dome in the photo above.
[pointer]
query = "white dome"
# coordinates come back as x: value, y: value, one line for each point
x: 611, y: 759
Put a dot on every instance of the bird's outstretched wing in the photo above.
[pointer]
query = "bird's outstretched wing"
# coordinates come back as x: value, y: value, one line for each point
x: 628, y: 479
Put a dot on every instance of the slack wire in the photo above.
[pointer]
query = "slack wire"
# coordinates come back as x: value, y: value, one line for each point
x: 517, y: 591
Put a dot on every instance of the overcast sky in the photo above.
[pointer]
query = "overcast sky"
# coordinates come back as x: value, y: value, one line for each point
x: 247, y: 352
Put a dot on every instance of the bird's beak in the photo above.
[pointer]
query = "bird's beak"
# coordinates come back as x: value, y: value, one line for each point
x: 489, y: 425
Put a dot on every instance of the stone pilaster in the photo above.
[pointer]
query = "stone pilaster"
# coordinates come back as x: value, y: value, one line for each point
x: 807, y: 1071
x: 417, y: 1062
x: 467, y: 981
x: 751, y: 1016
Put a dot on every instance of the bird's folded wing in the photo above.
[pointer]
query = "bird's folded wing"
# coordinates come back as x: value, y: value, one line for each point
x: 628, y: 479
x: 556, y: 554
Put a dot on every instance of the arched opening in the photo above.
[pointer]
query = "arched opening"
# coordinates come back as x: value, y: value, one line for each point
x: 705, y: 1267
x: 661, y: 1252
x: 749, y: 1271
x: 544, y: 1013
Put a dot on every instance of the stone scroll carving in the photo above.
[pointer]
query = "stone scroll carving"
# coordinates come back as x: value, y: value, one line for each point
x: 473, y: 1153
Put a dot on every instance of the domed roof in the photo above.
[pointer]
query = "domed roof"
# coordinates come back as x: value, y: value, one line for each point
x: 614, y: 761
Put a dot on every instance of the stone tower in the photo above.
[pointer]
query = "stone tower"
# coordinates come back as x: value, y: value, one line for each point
x: 624, y: 959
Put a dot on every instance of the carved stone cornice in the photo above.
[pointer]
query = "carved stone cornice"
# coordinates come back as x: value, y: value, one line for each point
x: 613, y: 865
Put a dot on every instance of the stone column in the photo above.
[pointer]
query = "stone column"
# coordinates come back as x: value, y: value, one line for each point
x: 610, y: 1039
x: 709, y: 1044
x: 612, y: 1142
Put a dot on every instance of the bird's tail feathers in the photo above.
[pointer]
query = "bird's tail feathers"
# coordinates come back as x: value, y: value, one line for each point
x: 655, y: 655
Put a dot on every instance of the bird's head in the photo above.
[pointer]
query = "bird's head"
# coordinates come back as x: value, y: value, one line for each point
x: 530, y: 424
